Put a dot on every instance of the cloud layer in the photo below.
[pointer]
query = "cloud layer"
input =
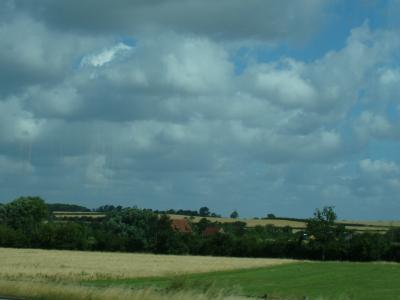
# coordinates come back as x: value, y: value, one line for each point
x: 218, y: 19
x: 148, y: 104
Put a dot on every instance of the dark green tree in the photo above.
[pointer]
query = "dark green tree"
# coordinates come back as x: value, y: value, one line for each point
x: 368, y: 246
x: 204, y: 211
x: 325, y: 235
x: 202, y: 225
x: 26, y: 213
x: 2, y: 214
x: 10, y: 237
x: 322, y: 225
x: 52, y: 207
x: 234, y: 215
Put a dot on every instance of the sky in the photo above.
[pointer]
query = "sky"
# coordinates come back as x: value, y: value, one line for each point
x: 256, y: 106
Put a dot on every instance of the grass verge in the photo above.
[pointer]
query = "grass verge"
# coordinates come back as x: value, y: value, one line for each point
x: 51, y: 291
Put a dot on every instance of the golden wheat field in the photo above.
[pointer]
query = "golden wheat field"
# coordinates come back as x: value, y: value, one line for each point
x: 58, y: 265
x: 54, y: 274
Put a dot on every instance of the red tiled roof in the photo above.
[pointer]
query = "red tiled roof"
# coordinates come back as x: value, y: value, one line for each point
x: 211, y: 230
x: 181, y: 225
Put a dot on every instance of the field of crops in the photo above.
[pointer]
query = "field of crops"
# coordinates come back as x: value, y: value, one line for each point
x: 58, y: 265
x: 52, y: 274
x: 66, y: 214
x: 62, y: 275
x: 376, y: 226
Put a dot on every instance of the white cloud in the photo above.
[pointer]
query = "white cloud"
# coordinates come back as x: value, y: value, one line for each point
x: 18, y: 125
x: 197, y: 65
x: 387, y: 88
x: 389, y: 77
x: 105, y: 56
x: 379, y: 167
x: 97, y: 173
x: 283, y: 86
x: 370, y: 124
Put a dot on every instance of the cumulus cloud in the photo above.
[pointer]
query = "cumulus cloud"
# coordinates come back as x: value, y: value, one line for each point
x: 31, y: 53
x: 61, y: 101
x: 377, y: 126
x: 197, y: 65
x: 379, y: 167
x: 387, y: 86
x: 169, y: 120
x: 284, y: 86
x: 97, y: 173
x: 370, y: 124
x: 18, y: 124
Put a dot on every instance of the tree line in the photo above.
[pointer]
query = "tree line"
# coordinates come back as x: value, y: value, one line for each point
x: 27, y: 222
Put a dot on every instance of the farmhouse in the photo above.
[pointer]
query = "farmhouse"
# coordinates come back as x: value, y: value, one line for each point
x: 181, y: 225
x: 211, y: 230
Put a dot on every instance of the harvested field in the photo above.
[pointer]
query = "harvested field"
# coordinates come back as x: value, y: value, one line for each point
x: 78, y: 213
x: 249, y: 222
x: 66, y: 214
x: 361, y: 226
x: 371, y: 229
x: 373, y: 223
x: 77, y: 216
x: 57, y: 265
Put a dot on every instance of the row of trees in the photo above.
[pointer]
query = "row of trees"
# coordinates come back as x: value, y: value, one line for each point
x: 27, y: 222
x: 202, y: 212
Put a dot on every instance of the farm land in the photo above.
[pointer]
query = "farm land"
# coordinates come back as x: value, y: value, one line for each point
x: 296, y: 225
x: 133, y: 253
x: 53, y: 274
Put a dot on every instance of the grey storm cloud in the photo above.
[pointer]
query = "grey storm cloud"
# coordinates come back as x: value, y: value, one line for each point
x: 167, y: 121
x: 31, y: 53
x: 227, y: 19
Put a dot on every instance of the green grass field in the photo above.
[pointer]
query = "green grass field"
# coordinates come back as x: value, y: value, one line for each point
x: 306, y: 280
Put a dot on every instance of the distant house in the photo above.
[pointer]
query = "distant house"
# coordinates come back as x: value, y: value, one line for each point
x: 181, y: 225
x: 211, y: 230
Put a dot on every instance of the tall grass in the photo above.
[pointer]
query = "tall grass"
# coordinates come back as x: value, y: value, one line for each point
x: 50, y: 291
